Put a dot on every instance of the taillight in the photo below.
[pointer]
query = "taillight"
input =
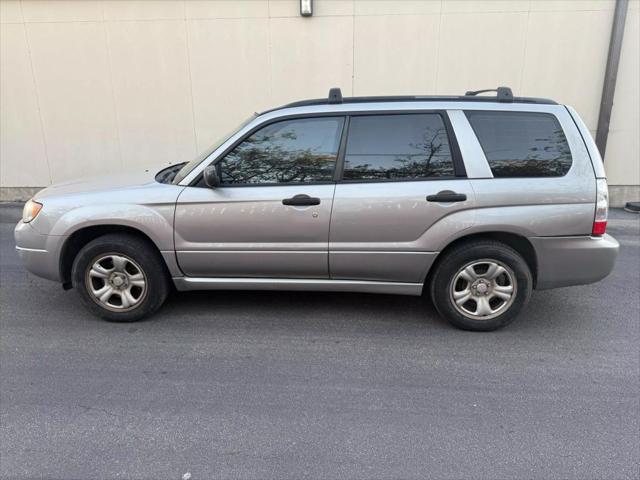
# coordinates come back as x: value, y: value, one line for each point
x: 602, y: 208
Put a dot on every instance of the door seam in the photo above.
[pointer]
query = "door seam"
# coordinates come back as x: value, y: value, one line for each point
x: 333, y: 201
x: 175, y: 211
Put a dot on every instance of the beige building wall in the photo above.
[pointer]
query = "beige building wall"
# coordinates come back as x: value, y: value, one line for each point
x: 622, y: 158
x: 93, y: 87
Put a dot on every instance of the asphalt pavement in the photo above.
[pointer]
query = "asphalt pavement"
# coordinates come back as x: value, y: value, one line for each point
x: 320, y: 385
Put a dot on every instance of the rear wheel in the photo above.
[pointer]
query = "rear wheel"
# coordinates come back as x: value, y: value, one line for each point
x: 481, y: 285
x: 120, y: 277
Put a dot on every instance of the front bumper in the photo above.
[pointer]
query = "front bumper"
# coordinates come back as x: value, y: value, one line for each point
x: 565, y: 261
x: 39, y: 253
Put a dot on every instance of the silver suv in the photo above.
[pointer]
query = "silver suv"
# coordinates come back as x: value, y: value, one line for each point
x: 475, y: 200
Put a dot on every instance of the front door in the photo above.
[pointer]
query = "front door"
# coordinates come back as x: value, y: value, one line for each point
x: 402, y: 177
x: 270, y: 216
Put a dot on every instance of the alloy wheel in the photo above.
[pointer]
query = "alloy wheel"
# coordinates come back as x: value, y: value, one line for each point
x: 483, y: 289
x: 116, y: 282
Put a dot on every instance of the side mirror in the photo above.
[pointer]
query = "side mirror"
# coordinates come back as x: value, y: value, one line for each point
x: 210, y: 176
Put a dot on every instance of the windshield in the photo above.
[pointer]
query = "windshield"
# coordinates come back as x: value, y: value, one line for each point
x: 189, y: 166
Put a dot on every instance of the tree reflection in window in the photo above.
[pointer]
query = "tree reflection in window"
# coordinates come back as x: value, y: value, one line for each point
x: 522, y: 144
x: 292, y: 151
x: 403, y: 146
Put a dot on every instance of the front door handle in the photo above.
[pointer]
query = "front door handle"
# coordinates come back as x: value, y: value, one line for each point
x: 447, y: 196
x: 301, y: 200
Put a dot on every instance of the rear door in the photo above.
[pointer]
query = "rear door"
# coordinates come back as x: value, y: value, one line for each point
x: 401, y: 174
x: 270, y: 216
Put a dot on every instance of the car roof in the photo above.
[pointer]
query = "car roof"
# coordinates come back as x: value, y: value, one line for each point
x: 503, y: 95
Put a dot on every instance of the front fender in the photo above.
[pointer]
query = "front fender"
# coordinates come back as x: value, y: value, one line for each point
x: 155, y: 221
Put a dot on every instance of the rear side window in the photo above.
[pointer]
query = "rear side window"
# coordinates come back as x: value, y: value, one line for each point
x: 522, y: 144
x: 404, y: 146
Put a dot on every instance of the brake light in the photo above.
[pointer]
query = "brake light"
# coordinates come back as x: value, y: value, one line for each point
x: 599, y: 228
x: 602, y: 208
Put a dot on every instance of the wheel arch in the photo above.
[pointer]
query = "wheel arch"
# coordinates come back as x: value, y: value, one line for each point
x: 519, y: 243
x: 81, y: 237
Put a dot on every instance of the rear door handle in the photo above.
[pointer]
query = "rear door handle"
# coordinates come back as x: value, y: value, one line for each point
x: 301, y: 200
x: 447, y: 196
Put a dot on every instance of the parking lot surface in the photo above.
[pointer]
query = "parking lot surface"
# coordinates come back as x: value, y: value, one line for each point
x: 320, y: 385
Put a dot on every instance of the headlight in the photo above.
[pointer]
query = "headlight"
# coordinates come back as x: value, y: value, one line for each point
x: 31, y: 211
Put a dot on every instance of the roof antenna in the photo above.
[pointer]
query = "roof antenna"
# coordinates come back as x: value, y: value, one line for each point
x: 335, y: 96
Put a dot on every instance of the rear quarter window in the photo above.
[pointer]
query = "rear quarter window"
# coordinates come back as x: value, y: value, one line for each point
x: 522, y: 144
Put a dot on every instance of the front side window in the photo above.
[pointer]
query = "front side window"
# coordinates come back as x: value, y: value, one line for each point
x: 522, y: 144
x: 397, y: 147
x: 291, y: 151
x: 189, y: 166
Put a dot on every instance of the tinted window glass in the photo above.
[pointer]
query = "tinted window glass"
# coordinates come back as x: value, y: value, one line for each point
x: 397, y: 147
x: 521, y: 144
x: 292, y: 151
x: 188, y: 167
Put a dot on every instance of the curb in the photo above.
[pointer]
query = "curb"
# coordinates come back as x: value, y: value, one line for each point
x: 633, y: 207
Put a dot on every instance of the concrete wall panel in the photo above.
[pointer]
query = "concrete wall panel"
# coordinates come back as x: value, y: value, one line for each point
x: 61, y: 11
x: 152, y: 91
x: 480, y: 51
x: 143, y: 10
x: 75, y: 93
x: 24, y: 161
x: 201, y: 9
x: 395, y: 7
x: 11, y: 11
x: 473, y: 6
x: 230, y: 83
x: 566, y: 56
x: 309, y: 57
x: 414, y: 69
x: 622, y: 159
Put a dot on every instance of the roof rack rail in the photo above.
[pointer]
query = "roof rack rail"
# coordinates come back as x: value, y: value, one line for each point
x: 503, y: 94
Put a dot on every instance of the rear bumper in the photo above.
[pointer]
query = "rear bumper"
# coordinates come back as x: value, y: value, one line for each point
x: 565, y: 261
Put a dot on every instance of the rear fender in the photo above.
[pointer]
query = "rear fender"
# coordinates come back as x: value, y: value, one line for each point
x: 524, y: 220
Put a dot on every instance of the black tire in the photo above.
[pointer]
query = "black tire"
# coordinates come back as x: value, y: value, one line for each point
x: 140, y: 255
x: 476, y: 253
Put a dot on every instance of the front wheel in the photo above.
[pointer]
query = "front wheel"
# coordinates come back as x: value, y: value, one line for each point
x: 481, y: 285
x: 120, y: 277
